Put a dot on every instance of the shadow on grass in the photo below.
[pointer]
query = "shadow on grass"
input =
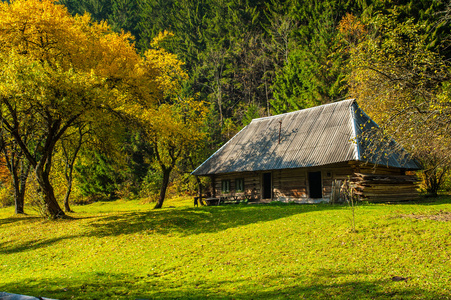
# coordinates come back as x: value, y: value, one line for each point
x: 182, y: 221
x: 189, y: 221
x: 15, y: 219
x: 100, y: 285
x: 33, y: 243
x: 429, y: 201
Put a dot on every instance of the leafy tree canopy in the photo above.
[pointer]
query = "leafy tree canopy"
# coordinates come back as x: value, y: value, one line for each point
x: 58, y: 71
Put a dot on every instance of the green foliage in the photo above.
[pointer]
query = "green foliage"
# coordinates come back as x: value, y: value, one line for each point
x: 99, y: 9
x: 446, y: 186
x: 252, y: 112
x: 312, y: 72
x: 135, y: 149
x: 403, y: 85
x: 151, y: 184
x: 291, y: 59
x: 124, y: 16
x: 123, y: 250
x: 295, y: 87
x: 97, y: 176
x: 154, y: 17
x: 428, y: 13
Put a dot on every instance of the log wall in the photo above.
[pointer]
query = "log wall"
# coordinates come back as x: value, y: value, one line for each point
x: 252, y: 184
x: 386, y: 188
x: 291, y: 185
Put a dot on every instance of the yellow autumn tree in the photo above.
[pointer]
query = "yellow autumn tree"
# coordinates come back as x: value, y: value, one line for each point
x: 59, y: 71
x: 172, y: 131
x: 405, y: 87
x: 175, y: 124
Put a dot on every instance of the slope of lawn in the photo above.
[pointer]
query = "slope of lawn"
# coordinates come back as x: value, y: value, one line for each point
x: 126, y: 250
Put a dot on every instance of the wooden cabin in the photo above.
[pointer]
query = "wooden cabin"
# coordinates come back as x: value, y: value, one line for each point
x: 300, y: 156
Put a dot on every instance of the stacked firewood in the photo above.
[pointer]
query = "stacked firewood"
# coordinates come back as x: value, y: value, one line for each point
x: 385, y: 188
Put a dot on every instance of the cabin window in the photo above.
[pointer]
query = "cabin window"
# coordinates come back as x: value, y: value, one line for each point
x: 239, y: 184
x: 225, y: 186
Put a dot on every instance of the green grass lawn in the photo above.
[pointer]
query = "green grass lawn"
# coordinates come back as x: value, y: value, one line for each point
x: 126, y: 250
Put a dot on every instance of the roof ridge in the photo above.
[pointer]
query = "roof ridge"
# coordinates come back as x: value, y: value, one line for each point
x: 352, y: 100
x: 356, y: 138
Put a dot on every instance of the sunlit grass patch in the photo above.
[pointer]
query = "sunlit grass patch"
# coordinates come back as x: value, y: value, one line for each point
x: 127, y: 250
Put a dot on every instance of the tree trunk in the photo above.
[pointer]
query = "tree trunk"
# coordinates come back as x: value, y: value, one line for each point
x: 164, y: 186
x: 18, y: 200
x: 68, y: 191
x: 69, y: 168
x: 13, y: 161
x: 19, y: 204
x: 66, y: 197
x: 20, y: 186
x: 52, y: 207
x: 19, y: 197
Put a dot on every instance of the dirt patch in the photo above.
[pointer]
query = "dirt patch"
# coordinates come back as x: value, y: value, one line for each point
x: 443, y: 216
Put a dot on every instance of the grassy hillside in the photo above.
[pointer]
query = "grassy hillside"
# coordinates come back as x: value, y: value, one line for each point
x: 125, y: 250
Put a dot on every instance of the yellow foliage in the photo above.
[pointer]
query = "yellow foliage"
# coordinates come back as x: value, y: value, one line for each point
x: 60, y: 71
x: 160, y: 38
x: 404, y: 87
x: 45, y: 32
x: 170, y: 68
x: 351, y: 28
x: 174, y: 129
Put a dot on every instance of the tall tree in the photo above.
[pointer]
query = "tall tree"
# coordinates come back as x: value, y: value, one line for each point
x: 62, y: 70
x: 172, y: 127
x: 155, y: 16
x: 172, y: 130
x: 124, y: 16
x: 99, y: 174
x: 312, y: 72
x: 404, y: 84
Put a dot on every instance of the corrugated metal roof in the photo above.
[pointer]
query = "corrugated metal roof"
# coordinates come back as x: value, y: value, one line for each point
x: 310, y: 137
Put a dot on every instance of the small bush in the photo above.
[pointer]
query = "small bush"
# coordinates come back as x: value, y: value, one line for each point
x: 151, y: 184
x: 126, y: 190
x: 446, y: 186
x: 6, y: 196
x: 83, y: 200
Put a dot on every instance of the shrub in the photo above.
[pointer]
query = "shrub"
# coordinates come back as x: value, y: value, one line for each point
x: 6, y: 196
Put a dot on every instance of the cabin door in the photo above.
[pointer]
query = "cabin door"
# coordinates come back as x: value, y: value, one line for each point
x: 315, y: 187
x: 267, y: 186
